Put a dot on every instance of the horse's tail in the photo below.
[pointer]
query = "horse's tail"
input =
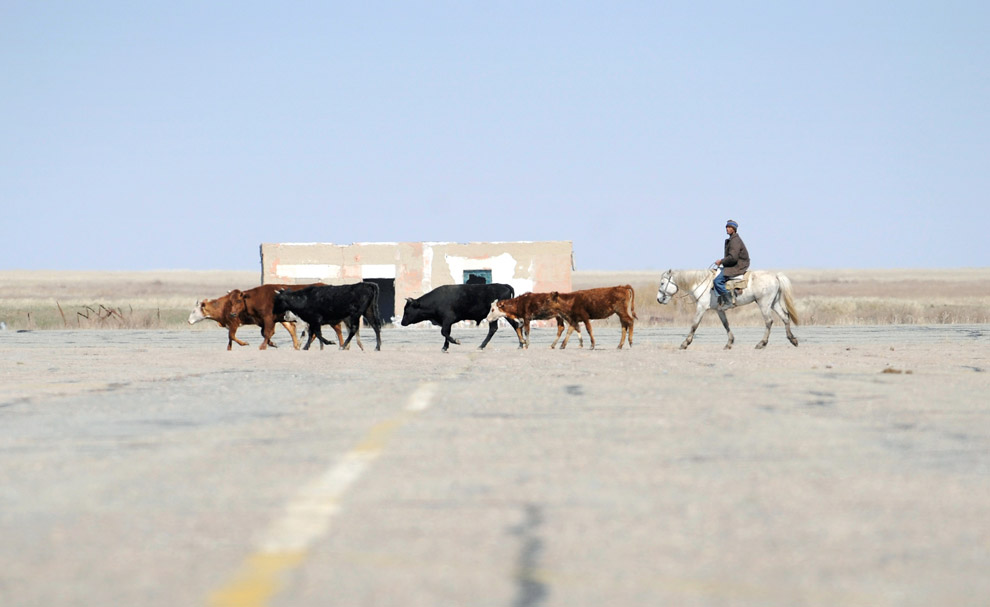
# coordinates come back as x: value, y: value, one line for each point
x: 631, y: 302
x: 786, y: 291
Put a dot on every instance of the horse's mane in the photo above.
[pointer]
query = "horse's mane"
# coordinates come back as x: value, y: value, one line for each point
x: 689, y: 279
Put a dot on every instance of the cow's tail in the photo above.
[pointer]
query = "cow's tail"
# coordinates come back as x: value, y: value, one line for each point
x: 631, y: 302
x: 787, y: 292
x: 373, y: 311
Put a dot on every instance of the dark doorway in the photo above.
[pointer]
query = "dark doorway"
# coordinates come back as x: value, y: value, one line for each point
x: 386, y: 297
x: 480, y: 277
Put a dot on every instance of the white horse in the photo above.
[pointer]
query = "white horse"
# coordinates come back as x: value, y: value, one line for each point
x: 770, y: 290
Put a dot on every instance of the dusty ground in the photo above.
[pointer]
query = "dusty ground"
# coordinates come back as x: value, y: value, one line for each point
x: 155, y: 468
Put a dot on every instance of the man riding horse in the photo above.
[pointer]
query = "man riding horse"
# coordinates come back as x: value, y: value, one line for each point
x: 734, y: 263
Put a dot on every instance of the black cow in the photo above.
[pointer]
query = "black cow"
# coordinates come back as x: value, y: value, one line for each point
x: 448, y: 304
x: 328, y: 305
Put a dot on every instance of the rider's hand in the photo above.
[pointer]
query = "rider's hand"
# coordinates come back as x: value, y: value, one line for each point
x: 719, y: 262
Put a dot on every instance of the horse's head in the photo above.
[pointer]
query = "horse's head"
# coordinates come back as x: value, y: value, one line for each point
x: 667, y: 287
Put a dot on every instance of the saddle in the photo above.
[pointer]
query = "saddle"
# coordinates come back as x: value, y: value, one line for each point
x: 738, y: 283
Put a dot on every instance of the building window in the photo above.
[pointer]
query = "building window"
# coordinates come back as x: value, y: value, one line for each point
x: 483, y: 277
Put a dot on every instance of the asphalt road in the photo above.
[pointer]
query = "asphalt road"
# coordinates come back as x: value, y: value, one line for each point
x: 146, y: 468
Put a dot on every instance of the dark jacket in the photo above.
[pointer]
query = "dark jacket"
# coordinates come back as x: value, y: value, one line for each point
x: 735, y: 262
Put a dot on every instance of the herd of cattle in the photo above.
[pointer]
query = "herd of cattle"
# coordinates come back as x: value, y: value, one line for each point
x: 312, y: 306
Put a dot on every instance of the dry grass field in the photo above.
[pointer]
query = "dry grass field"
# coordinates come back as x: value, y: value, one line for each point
x: 163, y: 299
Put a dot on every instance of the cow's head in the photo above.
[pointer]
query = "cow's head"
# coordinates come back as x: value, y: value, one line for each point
x: 496, y: 312
x: 237, y: 303
x: 212, y: 309
x: 301, y: 325
x: 218, y: 309
x: 412, y: 313
x: 278, y: 301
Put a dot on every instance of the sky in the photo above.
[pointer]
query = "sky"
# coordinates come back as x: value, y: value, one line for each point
x: 182, y: 135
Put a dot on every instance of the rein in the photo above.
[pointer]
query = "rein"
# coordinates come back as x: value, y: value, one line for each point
x: 696, y: 292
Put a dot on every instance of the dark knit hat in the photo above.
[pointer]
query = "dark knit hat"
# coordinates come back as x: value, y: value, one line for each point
x: 732, y: 224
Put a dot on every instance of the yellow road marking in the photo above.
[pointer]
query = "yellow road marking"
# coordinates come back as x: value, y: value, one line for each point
x: 307, y: 517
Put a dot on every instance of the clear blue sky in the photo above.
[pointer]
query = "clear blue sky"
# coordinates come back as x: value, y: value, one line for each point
x: 174, y: 135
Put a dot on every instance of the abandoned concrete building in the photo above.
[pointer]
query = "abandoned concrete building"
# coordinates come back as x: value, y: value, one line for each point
x: 410, y: 269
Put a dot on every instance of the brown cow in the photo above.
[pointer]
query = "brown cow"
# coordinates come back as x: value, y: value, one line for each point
x: 250, y: 307
x: 591, y: 304
x: 525, y: 308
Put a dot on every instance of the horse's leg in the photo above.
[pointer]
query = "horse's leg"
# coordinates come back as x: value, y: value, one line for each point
x: 768, y: 321
x: 698, y: 315
x: 725, y: 323
x: 784, y: 316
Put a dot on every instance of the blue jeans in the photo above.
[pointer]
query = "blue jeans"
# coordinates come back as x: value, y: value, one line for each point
x: 720, y: 283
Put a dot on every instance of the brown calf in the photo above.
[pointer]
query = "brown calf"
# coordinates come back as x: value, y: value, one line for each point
x: 591, y: 304
x: 250, y: 307
x: 525, y: 308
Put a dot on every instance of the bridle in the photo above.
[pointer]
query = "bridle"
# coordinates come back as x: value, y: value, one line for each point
x: 666, y: 281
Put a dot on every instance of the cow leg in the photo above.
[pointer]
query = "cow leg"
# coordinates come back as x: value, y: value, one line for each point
x: 324, y: 341
x: 591, y: 336
x: 291, y: 328
x: 517, y: 327
x: 352, y: 323
x: 232, y: 337
x: 266, y: 340
x: 357, y: 336
x: 267, y: 332
x: 570, y: 329
x: 447, y: 339
x: 522, y: 332
x: 315, y: 332
x: 492, y: 327
x: 627, y: 329
x: 340, y: 335
x: 376, y: 325
x: 560, y: 329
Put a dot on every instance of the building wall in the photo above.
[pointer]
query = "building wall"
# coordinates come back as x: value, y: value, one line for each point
x: 419, y: 267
